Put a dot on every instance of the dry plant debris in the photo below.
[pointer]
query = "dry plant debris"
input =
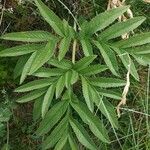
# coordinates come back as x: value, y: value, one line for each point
x: 147, y: 1
x: 125, y: 91
x: 124, y: 17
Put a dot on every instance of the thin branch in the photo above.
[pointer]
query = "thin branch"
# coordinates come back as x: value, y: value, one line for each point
x: 2, y: 12
x: 135, y: 111
x: 7, y: 135
x: 147, y: 98
x: 74, y: 46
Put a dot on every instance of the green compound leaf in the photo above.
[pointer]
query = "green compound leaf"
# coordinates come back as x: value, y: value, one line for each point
x: 82, y: 135
x: 63, y: 64
x: 104, y: 106
x: 31, y: 96
x: 21, y: 50
x: 104, y: 19
x: 72, y: 142
x: 43, y: 56
x: 121, y: 28
x: 93, y: 69
x: 56, y: 134
x: 29, y: 36
x: 27, y: 67
x: 47, y: 99
x: 61, y: 143
x: 94, y: 123
x: 52, y: 117
x: 126, y: 60
x: 139, y: 50
x: 48, y: 72
x: 55, y: 22
x: 109, y: 93
x: 60, y: 86
x: 86, y: 46
x: 64, y: 47
x: 109, y: 57
x: 106, y: 82
x: 20, y: 65
x: 87, y: 97
x: 136, y: 40
x: 33, y: 85
x: 84, y: 62
x: 37, y: 108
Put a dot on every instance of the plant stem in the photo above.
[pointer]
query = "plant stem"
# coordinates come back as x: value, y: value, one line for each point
x: 2, y: 12
x: 147, y: 99
x: 74, y: 46
x: 7, y: 135
x: 74, y: 51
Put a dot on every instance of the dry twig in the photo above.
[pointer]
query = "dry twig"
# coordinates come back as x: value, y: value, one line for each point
x: 124, y: 17
x: 126, y: 89
x: 147, y: 1
x: 2, y: 12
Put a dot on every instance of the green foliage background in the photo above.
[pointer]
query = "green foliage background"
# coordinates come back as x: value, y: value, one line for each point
x: 26, y: 17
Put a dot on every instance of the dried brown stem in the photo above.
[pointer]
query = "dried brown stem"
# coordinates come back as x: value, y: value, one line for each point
x: 126, y: 89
